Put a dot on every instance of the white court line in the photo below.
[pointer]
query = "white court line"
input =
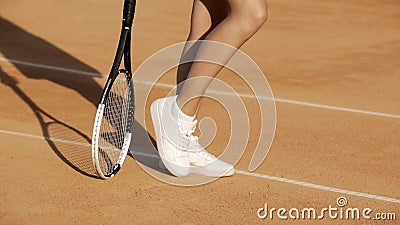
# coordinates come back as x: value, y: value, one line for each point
x: 51, y: 67
x: 245, y: 173
x: 281, y: 100
x: 44, y: 138
x: 317, y: 186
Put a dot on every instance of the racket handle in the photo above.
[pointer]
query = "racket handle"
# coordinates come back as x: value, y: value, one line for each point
x: 129, y: 12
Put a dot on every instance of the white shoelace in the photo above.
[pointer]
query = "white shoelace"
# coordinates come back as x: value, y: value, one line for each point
x: 194, y: 146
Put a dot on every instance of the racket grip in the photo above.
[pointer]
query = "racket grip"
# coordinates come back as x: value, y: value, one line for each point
x: 129, y: 12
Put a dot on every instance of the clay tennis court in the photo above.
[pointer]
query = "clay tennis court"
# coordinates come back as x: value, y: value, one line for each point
x: 333, y: 67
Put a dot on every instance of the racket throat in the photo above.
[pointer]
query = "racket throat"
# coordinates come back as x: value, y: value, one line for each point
x: 126, y: 72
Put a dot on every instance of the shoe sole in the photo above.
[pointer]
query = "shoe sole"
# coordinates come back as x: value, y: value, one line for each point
x: 158, y: 132
x: 211, y: 173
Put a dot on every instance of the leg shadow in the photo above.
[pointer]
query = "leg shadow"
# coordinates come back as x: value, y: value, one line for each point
x: 18, y: 44
x: 143, y: 149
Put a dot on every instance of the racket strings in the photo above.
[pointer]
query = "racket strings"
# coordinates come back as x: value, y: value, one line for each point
x: 114, y: 124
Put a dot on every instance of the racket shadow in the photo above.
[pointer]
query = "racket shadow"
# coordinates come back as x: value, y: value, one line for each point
x: 72, y: 147
x: 68, y: 143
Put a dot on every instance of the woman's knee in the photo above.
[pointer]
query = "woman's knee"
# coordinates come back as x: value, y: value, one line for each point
x: 256, y: 17
x: 260, y: 16
x: 251, y: 14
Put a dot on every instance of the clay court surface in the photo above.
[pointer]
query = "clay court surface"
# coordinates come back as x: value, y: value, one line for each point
x: 342, y: 54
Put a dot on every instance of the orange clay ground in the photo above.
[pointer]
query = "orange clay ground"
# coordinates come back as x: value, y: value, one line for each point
x: 337, y: 53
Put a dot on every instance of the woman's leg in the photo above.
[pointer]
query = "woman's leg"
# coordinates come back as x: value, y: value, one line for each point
x: 206, y: 15
x: 228, y: 21
x: 242, y: 22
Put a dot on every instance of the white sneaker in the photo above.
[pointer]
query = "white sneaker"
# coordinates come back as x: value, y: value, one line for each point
x: 170, y: 142
x: 179, y: 149
x: 201, y: 161
x: 205, y: 163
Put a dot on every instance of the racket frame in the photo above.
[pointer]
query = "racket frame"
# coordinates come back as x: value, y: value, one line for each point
x: 123, y: 52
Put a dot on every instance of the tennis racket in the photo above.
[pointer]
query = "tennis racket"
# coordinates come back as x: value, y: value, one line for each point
x: 112, y: 129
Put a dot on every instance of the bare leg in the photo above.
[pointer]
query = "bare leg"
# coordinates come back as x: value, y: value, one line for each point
x: 206, y: 15
x: 242, y: 22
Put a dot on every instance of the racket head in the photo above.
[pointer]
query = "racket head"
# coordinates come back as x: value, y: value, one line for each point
x: 112, y: 131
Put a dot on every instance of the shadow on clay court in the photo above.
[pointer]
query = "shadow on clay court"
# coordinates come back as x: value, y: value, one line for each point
x: 18, y: 44
x: 69, y: 144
